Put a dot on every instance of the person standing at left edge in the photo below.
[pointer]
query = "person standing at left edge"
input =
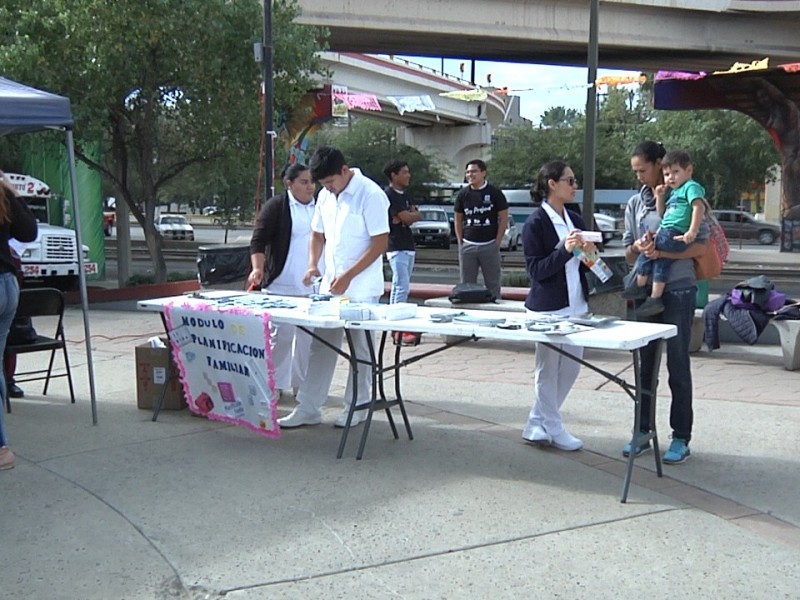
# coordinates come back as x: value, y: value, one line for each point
x: 401, y: 251
x: 16, y: 221
x: 351, y: 223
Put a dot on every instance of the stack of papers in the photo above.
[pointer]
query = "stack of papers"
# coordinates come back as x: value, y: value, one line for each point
x: 478, y: 320
x: 593, y: 320
x: 394, y: 312
x: 325, y: 308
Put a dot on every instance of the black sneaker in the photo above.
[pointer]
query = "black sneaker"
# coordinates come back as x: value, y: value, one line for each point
x: 650, y: 307
x: 14, y: 391
x: 635, y: 292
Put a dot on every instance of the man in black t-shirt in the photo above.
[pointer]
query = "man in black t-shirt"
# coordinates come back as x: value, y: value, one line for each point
x: 400, y: 252
x: 481, y: 217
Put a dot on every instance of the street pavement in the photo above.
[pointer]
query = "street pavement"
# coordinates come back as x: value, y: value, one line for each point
x: 187, y: 508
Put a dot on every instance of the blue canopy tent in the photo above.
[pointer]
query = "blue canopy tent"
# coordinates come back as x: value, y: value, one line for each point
x: 25, y: 109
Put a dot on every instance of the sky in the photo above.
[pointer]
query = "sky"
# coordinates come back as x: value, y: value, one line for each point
x: 540, y: 87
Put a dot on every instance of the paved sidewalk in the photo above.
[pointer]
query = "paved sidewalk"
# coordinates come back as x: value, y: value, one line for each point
x: 187, y: 508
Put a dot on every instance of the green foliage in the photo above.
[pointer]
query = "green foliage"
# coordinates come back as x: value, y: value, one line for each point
x: 519, y: 152
x: 516, y: 279
x: 731, y: 151
x: 149, y: 278
x: 370, y: 143
x: 166, y: 84
x: 558, y: 116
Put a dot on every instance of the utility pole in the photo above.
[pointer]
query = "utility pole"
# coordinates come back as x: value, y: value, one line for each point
x: 591, y: 118
x: 269, y: 186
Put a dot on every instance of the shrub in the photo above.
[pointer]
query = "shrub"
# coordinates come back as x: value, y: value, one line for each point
x: 148, y: 278
x: 516, y: 279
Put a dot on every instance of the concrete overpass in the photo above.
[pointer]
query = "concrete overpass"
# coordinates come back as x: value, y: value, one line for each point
x: 456, y: 131
x: 633, y: 34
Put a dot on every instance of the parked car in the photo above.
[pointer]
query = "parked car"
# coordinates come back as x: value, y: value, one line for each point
x: 433, y: 229
x: 512, y: 238
x: 609, y: 226
x: 209, y: 210
x: 174, y: 226
x: 738, y: 224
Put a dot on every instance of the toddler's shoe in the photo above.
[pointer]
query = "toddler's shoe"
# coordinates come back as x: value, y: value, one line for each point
x: 650, y: 307
x: 635, y: 292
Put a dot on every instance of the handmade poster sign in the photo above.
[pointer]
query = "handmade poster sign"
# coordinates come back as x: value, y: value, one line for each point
x: 225, y: 364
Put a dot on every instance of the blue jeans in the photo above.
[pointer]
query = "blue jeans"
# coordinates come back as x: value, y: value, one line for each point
x: 9, y: 296
x: 402, y: 263
x: 659, y: 267
x: 678, y: 311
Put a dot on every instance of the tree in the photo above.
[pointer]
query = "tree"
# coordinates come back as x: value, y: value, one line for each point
x: 731, y: 151
x: 520, y: 151
x: 166, y: 84
x: 558, y: 116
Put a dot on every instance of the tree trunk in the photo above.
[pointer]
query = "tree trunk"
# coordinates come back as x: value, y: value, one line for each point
x: 156, y: 251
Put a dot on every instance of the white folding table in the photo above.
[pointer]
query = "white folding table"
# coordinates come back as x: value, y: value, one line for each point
x: 619, y: 335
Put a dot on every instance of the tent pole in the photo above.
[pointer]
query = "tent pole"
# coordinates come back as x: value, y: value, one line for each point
x: 82, y: 273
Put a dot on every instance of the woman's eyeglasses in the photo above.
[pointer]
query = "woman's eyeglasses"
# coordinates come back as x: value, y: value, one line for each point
x: 569, y: 180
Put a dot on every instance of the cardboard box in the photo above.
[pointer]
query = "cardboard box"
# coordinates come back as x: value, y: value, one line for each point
x: 154, y: 369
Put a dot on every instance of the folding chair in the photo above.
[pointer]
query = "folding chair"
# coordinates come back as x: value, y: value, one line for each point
x: 42, y: 302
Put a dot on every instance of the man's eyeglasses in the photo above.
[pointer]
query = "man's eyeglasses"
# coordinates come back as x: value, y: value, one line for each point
x: 569, y: 180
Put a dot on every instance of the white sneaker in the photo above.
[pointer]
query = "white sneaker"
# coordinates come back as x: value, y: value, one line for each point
x: 284, y: 397
x: 298, y: 419
x: 538, y: 436
x: 566, y: 441
x: 358, y: 416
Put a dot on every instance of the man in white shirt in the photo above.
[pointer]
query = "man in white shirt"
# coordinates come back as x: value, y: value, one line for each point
x: 351, y: 224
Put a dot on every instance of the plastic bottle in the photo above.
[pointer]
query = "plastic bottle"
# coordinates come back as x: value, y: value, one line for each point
x: 597, y: 265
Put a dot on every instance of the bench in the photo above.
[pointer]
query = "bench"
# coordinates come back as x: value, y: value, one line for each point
x: 790, y: 343
x: 788, y: 331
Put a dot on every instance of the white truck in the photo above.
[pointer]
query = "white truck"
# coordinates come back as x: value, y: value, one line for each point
x: 52, y: 258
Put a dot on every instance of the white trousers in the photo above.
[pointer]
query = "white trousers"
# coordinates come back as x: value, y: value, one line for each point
x: 290, y: 350
x: 555, y: 375
x: 314, y: 390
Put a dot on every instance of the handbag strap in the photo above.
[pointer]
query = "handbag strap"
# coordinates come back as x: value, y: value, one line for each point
x: 709, y: 214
